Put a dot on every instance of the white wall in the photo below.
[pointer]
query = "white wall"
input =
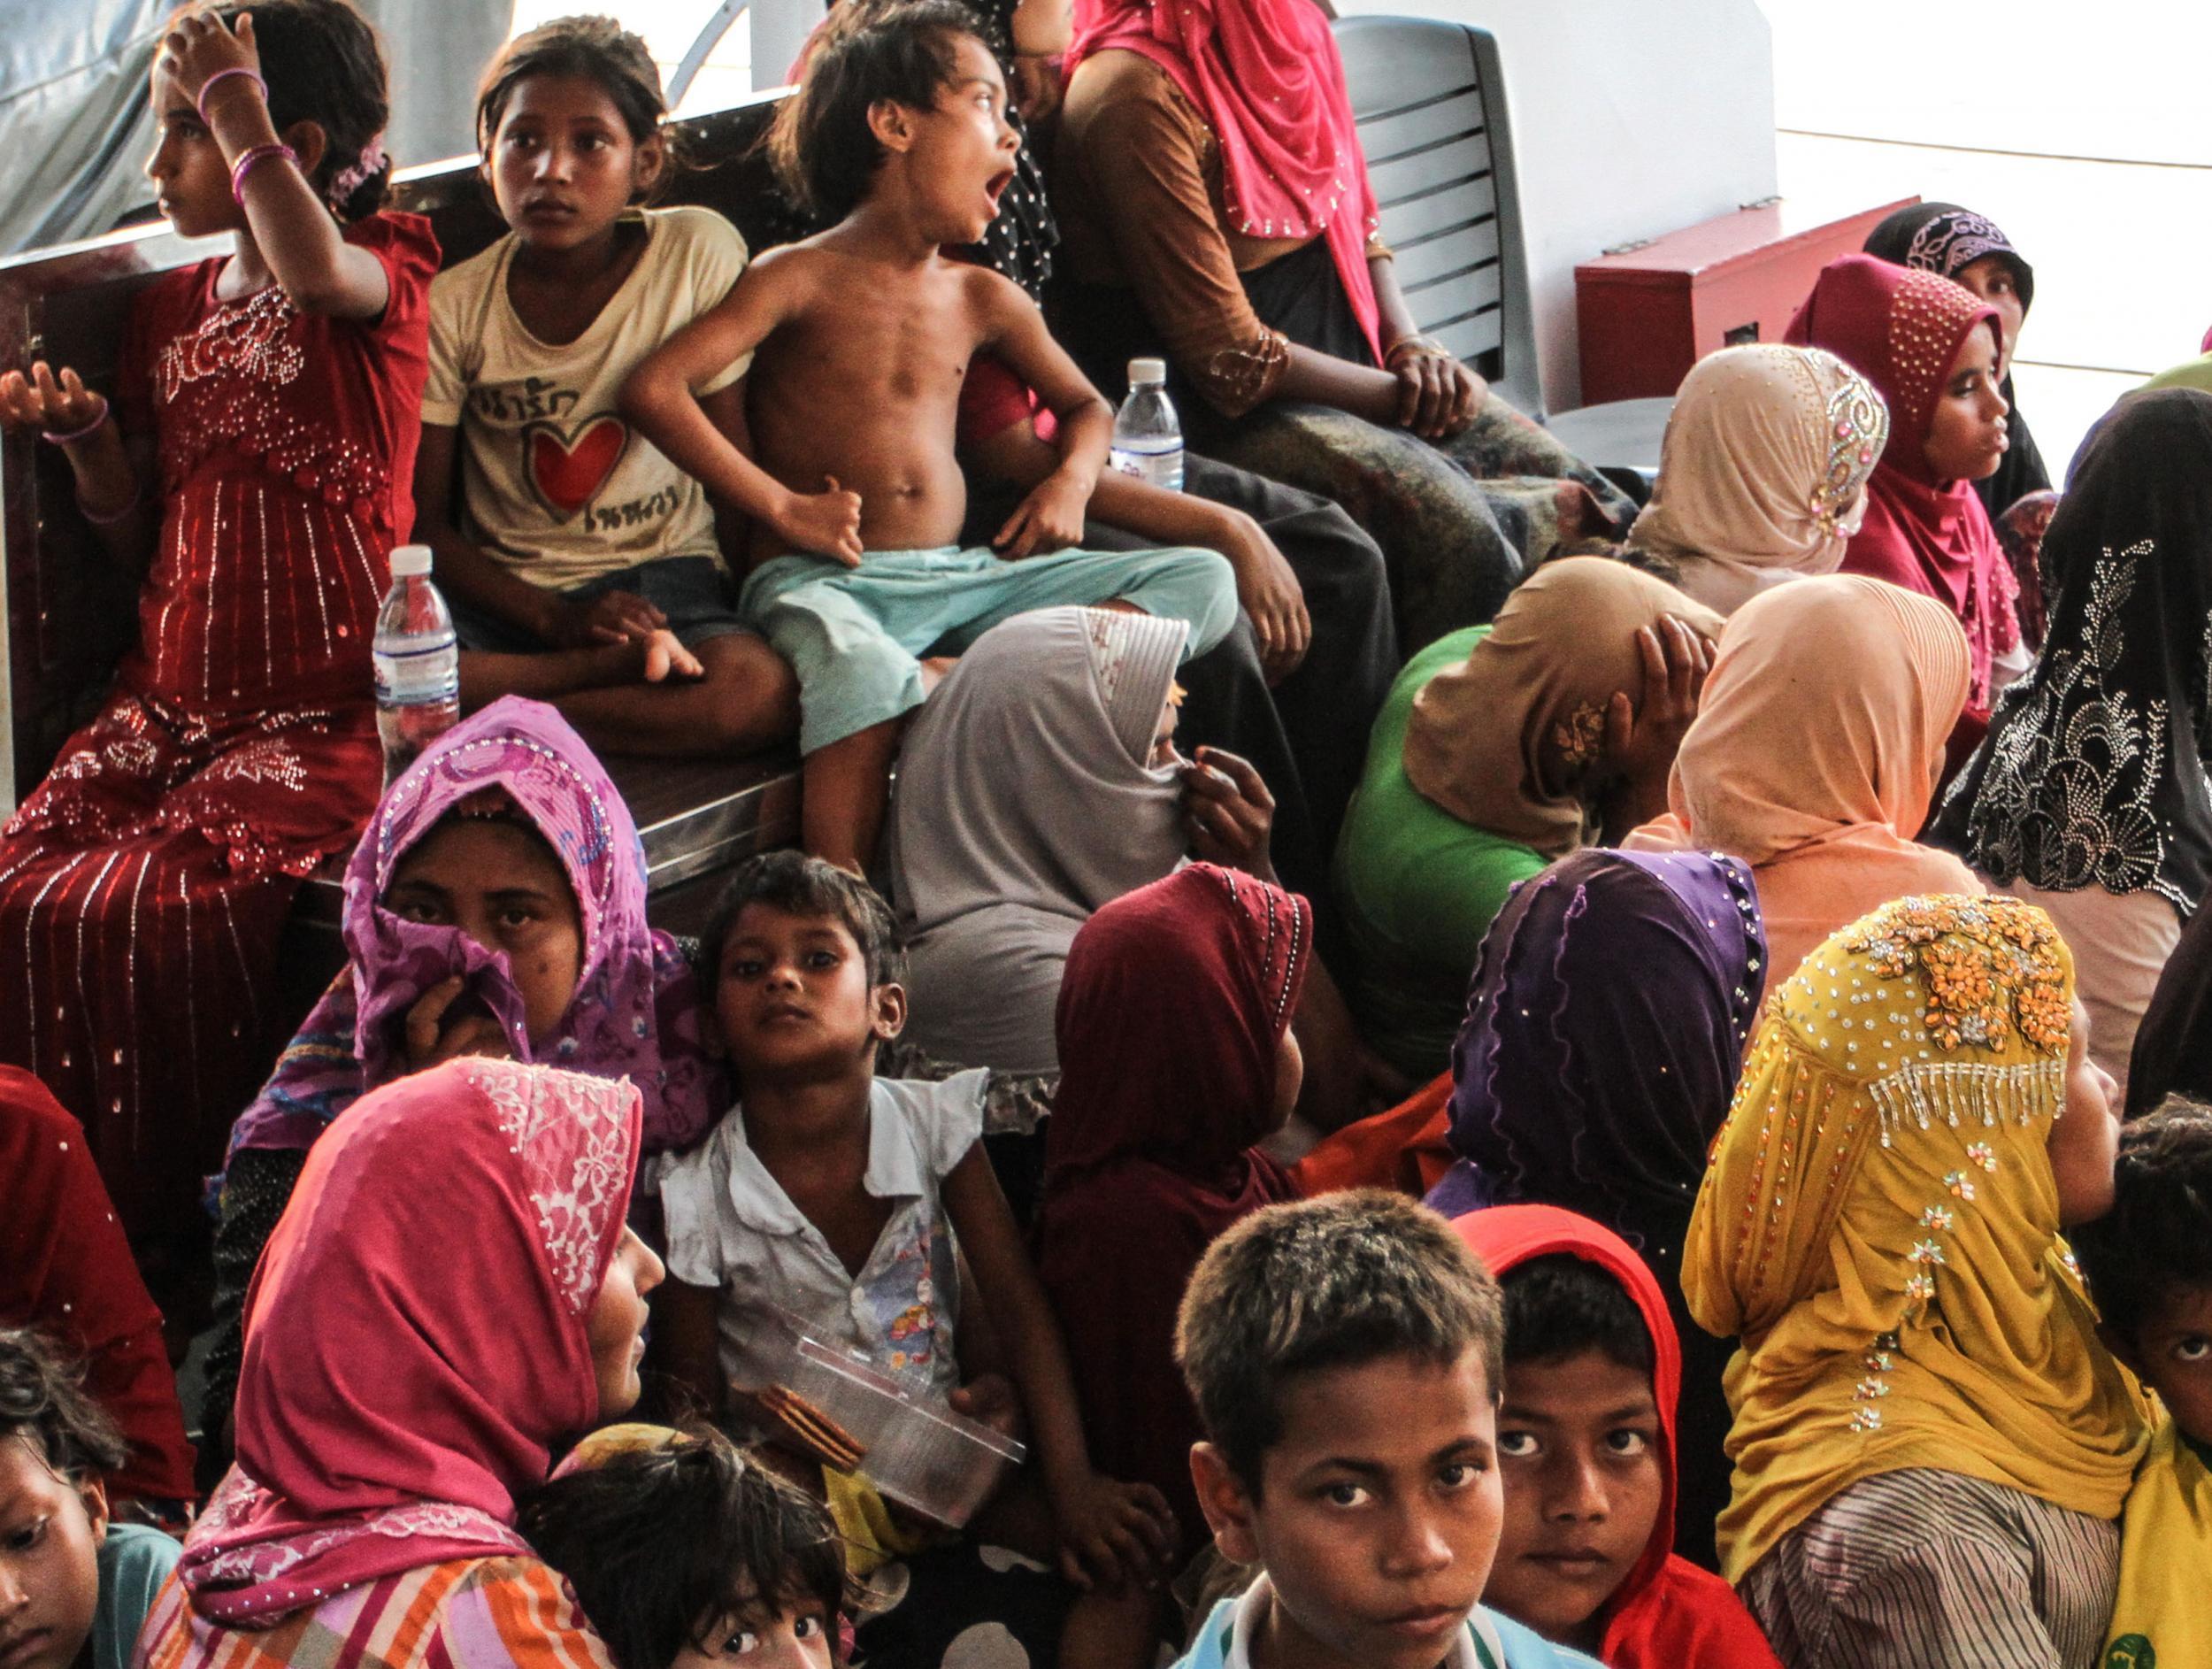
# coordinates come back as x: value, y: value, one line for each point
x: 1630, y: 118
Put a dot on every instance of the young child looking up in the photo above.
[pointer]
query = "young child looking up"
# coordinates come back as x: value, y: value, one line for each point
x: 255, y: 471
x: 1585, y: 1444
x: 849, y: 1202
x: 75, y: 1585
x: 1345, y: 1357
x: 2149, y: 1265
x: 861, y: 336
x: 588, y: 573
x: 685, y: 1553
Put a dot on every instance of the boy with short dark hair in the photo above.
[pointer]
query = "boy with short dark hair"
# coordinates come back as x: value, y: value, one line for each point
x: 862, y: 336
x: 2148, y: 1262
x: 1344, y: 1355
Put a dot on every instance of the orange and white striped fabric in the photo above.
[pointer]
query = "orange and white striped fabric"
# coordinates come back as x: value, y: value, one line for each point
x: 489, y: 1614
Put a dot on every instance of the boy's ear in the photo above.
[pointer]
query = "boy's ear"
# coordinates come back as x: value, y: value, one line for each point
x: 890, y: 1016
x: 892, y: 123
x: 1227, y: 1504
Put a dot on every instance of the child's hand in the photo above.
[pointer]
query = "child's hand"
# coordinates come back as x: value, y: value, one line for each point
x: 613, y: 617
x: 1227, y: 813
x: 1113, y: 1534
x: 201, y: 44
x: 1050, y: 519
x: 40, y: 401
x: 990, y: 1399
x: 1271, y: 595
x: 826, y: 524
x: 431, y: 1038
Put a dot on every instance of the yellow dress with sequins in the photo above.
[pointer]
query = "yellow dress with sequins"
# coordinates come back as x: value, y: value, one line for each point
x: 1878, y: 1227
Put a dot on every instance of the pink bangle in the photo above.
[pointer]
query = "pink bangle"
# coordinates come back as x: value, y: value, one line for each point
x: 113, y: 517
x: 257, y: 153
x: 219, y: 78
x: 84, y: 434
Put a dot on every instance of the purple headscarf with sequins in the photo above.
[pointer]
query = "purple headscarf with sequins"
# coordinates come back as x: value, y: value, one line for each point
x: 1605, y: 1026
x: 636, y: 1013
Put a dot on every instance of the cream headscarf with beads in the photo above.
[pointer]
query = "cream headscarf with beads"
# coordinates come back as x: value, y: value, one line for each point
x: 1879, y: 1227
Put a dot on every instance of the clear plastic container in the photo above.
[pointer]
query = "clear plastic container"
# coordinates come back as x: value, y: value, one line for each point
x: 918, y: 1451
x: 1148, y: 434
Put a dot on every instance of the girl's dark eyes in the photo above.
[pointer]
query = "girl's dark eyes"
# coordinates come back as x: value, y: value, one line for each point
x: 29, y: 1537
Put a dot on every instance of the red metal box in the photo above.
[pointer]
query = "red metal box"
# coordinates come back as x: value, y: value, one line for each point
x: 1646, y: 313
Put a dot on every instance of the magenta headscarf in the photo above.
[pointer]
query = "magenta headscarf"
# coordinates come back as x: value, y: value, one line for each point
x: 417, y: 1336
x: 1268, y: 77
x: 636, y: 1010
x: 1900, y: 328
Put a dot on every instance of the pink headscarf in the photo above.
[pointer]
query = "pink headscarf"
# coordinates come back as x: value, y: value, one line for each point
x: 636, y: 1010
x: 415, y: 1336
x: 1268, y: 77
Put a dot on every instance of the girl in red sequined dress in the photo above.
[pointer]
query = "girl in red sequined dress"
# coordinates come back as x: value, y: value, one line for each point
x: 255, y: 470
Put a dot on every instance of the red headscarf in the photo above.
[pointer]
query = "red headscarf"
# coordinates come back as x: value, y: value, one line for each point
x: 414, y: 1335
x: 1667, y: 1613
x: 1901, y: 329
x: 1267, y: 78
x: 1174, y: 1000
x: 66, y: 1269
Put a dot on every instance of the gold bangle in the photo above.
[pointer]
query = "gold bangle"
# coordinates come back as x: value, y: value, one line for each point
x: 1426, y: 346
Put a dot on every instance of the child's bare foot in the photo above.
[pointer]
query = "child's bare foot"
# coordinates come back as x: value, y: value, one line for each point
x: 666, y: 657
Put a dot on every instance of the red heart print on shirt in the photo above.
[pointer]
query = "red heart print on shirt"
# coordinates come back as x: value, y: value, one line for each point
x: 567, y: 469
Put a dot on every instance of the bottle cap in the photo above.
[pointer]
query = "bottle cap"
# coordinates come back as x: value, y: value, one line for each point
x: 408, y: 560
x: 1146, y: 371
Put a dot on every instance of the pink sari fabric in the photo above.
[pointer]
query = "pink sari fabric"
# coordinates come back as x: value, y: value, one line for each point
x: 416, y: 1338
x: 1268, y: 77
x: 636, y: 1010
x: 1902, y: 329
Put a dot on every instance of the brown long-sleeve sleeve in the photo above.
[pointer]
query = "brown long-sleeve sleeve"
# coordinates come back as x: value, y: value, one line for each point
x: 1138, y: 189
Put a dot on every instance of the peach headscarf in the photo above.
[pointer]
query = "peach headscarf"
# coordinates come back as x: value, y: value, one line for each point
x: 1564, y: 643
x: 1763, y: 474
x: 1815, y: 752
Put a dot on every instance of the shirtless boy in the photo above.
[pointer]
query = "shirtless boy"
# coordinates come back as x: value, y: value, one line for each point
x: 861, y: 336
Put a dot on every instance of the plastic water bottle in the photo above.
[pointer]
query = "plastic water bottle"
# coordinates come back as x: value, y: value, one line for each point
x: 418, y: 663
x: 1147, y: 435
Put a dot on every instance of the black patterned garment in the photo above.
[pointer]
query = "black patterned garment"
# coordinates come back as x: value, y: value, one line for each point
x: 2093, y: 771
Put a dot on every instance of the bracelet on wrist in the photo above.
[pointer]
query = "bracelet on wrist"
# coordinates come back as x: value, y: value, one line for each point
x: 84, y: 434
x: 219, y: 78
x: 113, y: 516
x: 246, y: 160
x: 1409, y: 346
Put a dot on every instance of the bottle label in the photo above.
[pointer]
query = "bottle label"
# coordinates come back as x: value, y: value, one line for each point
x: 424, y: 672
x: 1159, y: 465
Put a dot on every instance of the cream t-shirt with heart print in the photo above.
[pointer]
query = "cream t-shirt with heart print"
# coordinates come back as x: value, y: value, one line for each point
x: 556, y: 483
